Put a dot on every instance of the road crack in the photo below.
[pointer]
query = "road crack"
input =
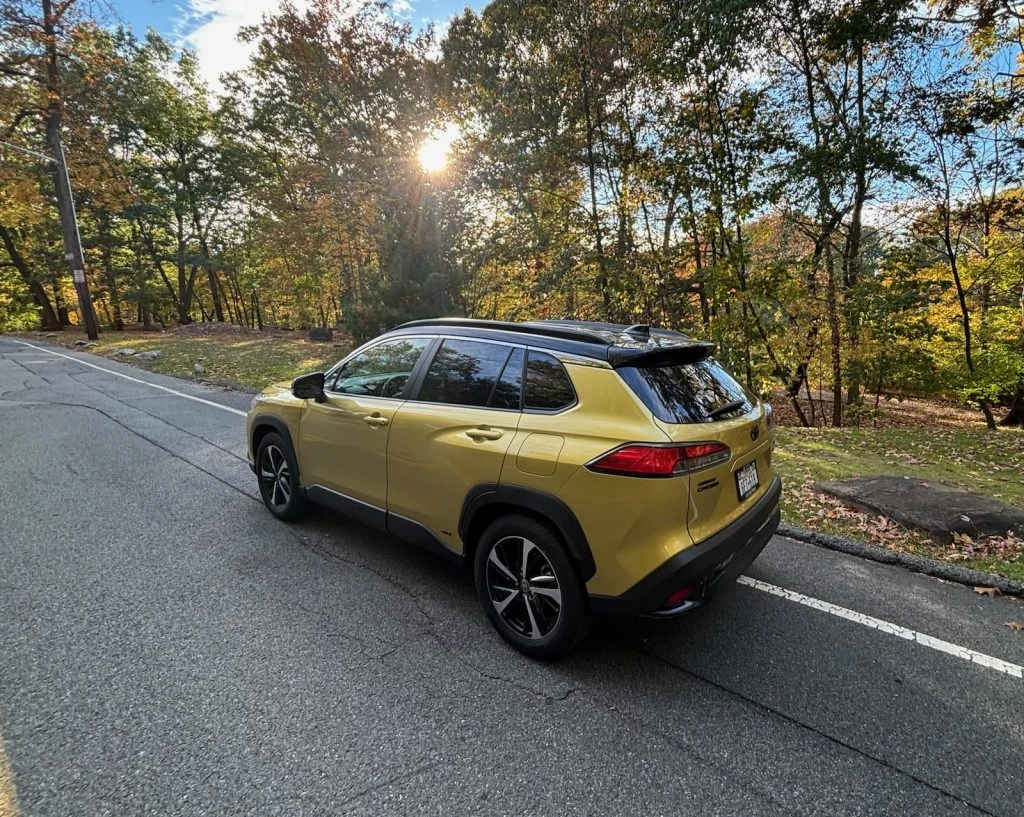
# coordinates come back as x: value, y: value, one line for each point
x: 805, y: 726
x: 423, y: 767
x: 154, y: 443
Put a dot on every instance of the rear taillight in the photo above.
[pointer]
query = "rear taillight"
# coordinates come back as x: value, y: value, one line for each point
x: 640, y: 460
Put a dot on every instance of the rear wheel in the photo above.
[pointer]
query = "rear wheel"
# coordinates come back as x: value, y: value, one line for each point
x: 529, y: 588
x: 278, y: 473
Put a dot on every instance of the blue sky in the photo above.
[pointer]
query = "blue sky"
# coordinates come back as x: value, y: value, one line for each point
x: 209, y: 26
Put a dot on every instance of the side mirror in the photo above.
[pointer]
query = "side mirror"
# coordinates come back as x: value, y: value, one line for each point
x: 309, y: 387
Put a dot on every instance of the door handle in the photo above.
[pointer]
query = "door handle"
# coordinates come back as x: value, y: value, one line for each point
x: 483, y: 434
x: 375, y: 420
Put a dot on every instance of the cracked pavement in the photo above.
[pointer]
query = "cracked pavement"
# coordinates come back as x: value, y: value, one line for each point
x: 170, y: 648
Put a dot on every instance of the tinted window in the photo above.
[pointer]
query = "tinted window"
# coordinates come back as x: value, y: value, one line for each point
x: 382, y: 370
x: 509, y: 390
x: 689, y: 393
x: 464, y: 372
x: 547, y: 383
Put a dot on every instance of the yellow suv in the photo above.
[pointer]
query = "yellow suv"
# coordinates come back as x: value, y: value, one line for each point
x: 575, y: 467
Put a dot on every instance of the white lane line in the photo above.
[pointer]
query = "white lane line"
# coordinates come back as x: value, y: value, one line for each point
x: 134, y: 379
x: 888, y: 627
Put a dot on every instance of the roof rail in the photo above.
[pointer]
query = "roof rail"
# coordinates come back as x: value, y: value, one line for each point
x: 560, y: 330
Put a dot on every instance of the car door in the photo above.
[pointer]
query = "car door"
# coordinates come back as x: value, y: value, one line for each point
x: 343, y: 439
x: 453, y: 432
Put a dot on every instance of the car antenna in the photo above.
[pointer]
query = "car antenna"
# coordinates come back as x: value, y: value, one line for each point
x: 640, y: 331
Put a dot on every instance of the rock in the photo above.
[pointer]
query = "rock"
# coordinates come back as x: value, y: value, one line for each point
x: 152, y: 354
x: 321, y: 333
x: 938, y: 510
x: 126, y: 352
x: 199, y: 369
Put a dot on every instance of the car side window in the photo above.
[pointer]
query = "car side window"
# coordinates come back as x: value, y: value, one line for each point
x: 508, y: 391
x: 464, y: 372
x: 548, y: 387
x: 380, y: 371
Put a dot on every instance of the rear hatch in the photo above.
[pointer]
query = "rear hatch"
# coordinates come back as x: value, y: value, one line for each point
x: 699, y: 402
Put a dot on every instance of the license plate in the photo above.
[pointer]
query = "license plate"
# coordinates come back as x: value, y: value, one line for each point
x: 746, y: 480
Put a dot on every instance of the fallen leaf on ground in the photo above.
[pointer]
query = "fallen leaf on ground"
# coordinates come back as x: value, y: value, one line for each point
x: 1014, y: 625
x: 991, y: 592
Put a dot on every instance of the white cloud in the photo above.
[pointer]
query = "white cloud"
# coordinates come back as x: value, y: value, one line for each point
x: 210, y: 28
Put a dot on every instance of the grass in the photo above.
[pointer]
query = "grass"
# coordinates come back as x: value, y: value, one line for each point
x: 975, y: 459
x: 251, y: 360
x: 925, y: 439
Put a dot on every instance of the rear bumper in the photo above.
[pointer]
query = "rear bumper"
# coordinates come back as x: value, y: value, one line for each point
x: 705, y: 566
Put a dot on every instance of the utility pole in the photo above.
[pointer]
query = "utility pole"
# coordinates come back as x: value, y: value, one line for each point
x: 72, y: 240
x: 62, y: 181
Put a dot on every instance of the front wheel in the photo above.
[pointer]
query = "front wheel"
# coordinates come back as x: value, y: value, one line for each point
x: 529, y: 588
x: 278, y: 475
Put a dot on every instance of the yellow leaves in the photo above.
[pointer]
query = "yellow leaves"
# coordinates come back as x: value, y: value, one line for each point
x: 20, y: 193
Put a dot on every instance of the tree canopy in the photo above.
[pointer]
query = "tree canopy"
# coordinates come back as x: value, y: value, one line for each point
x: 830, y: 190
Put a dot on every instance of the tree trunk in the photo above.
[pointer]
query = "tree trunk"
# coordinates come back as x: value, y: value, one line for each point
x: 116, y: 319
x: 256, y: 310
x: 48, y: 314
x: 218, y: 309
x: 836, y: 340
x: 965, y: 319
x: 63, y: 316
x: 184, y: 296
x: 1015, y: 417
x: 852, y: 260
x: 602, y: 279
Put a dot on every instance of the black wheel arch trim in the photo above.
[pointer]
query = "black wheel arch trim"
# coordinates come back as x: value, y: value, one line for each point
x: 279, y: 426
x: 539, y: 502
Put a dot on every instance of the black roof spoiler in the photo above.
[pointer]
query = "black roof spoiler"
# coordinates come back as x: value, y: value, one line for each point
x: 692, y: 351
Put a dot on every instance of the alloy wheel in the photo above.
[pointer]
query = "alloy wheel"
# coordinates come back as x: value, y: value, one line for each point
x: 523, y: 587
x: 275, y: 477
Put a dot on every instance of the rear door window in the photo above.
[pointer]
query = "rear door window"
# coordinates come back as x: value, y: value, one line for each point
x: 464, y: 373
x: 689, y: 393
x: 548, y: 387
x: 508, y: 391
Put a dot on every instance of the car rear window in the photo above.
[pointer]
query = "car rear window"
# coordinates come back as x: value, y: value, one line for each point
x: 688, y: 392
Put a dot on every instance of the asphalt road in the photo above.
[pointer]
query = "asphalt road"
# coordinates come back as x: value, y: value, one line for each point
x: 167, y: 647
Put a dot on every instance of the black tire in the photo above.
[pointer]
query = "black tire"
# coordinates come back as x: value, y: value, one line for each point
x: 278, y: 477
x: 543, y: 613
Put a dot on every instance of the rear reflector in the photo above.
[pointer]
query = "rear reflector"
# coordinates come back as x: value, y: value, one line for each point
x: 639, y: 460
x: 681, y: 595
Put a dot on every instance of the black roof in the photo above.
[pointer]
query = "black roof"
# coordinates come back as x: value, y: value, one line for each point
x: 616, y: 343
